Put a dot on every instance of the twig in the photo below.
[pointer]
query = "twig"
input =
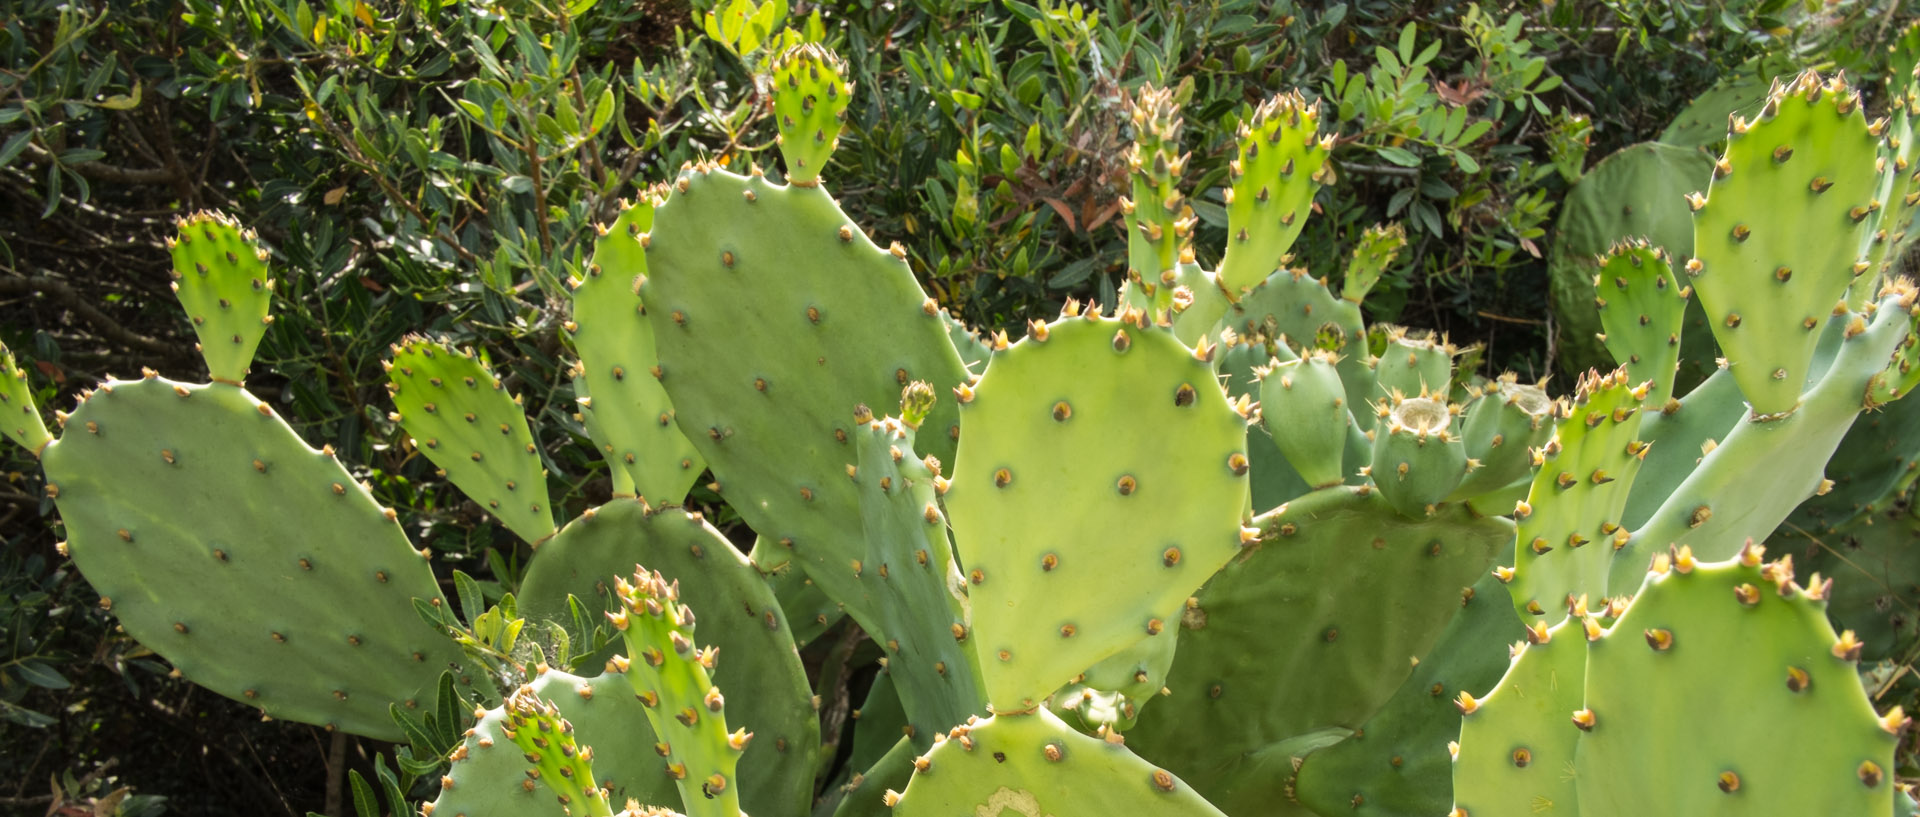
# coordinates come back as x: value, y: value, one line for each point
x: 336, y: 774
x: 40, y: 284
x: 101, y: 171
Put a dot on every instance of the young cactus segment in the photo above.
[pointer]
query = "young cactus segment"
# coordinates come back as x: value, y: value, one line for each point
x: 1739, y: 646
x: 1770, y: 276
x: 492, y: 775
x: 1417, y: 459
x: 19, y: 415
x: 1278, y: 166
x: 671, y: 676
x: 1111, y: 693
x: 769, y: 692
x: 254, y: 564
x: 1036, y: 764
x: 1415, y: 364
x: 614, y: 339
x: 1310, y: 632
x: 221, y: 276
x: 1379, y: 246
x: 1074, y: 547
x: 1642, y: 307
x: 768, y: 401
x: 1501, y: 428
x: 466, y: 423
x: 1570, y: 524
x: 920, y: 611
x: 1159, y: 223
x: 810, y: 98
x: 554, y: 758
x: 1898, y: 191
x: 1518, y: 741
x: 1397, y: 762
x: 1304, y: 407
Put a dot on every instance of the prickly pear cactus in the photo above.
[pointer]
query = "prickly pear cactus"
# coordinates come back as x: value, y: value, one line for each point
x: 1044, y: 509
x: 462, y: 418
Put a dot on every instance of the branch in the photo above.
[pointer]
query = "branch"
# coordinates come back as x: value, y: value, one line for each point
x: 101, y: 171
x: 40, y: 284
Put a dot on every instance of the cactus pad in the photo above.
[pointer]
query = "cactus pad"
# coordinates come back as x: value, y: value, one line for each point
x: 908, y: 568
x: 1074, y: 547
x: 1736, y: 646
x: 1518, y: 742
x: 614, y: 339
x: 742, y: 620
x: 1304, y: 408
x: 1570, y: 524
x: 465, y: 422
x: 1159, y: 223
x: 774, y: 316
x: 19, y: 415
x: 1275, y: 172
x: 1769, y: 276
x: 672, y: 677
x: 810, y: 98
x: 1035, y: 765
x: 1642, y: 307
x: 256, y: 565
x: 221, y: 277
x: 1500, y: 429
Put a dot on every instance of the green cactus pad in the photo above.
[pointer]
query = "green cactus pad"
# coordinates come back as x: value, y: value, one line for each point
x: 1310, y: 632
x: 1791, y: 451
x: 1636, y: 193
x: 1898, y: 189
x: 546, y: 742
x: 775, y: 317
x: 866, y: 794
x: 810, y: 98
x: 768, y: 686
x: 615, y: 342
x: 488, y: 776
x: 1570, y: 525
x: 909, y: 571
x: 1679, y: 433
x: 1274, y: 480
x: 1073, y: 546
x: 256, y: 565
x: 1417, y: 458
x: 1518, y: 742
x: 465, y: 422
x: 1275, y: 172
x: 1036, y: 765
x: 1379, y: 246
x: 1741, y: 651
x: 222, y: 279
x: 1303, y: 406
x: 1414, y: 365
x: 672, y: 677
x: 1159, y: 223
x: 1500, y: 429
x: 808, y: 611
x: 19, y: 415
x: 879, y: 724
x: 1642, y: 307
x: 1397, y: 762
x: 1770, y: 276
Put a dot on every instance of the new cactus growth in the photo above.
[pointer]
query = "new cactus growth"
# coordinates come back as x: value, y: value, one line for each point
x: 670, y: 674
x: 1642, y: 307
x: 810, y: 97
x: 462, y: 418
x: 1279, y: 164
x: 1304, y: 408
x: 1159, y: 222
x: 19, y: 416
x: 1417, y: 459
x: 1500, y: 429
x: 220, y: 274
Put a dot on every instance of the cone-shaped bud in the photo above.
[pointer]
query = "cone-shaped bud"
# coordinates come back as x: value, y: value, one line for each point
x: 810, y: 97
x: 1378, y: 247
x: 1304, y: 408
x: 916, y: 402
